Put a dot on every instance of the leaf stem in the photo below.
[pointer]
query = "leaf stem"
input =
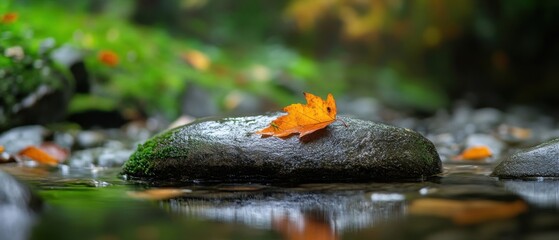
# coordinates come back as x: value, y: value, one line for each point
x: 337, y: 119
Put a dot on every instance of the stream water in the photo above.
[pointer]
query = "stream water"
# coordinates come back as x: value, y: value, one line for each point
x: 463, y: 203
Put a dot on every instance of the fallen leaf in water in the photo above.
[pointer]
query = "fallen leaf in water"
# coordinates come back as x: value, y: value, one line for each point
x: 39, y: 155
x: 159, y: 193
x: 303, y: 119
x: 474, y: 153
x: 197, y: 59
x: 467, y: 212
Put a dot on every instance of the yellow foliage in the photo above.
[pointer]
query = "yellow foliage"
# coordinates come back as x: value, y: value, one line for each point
x: 307, y: 12
x: 197, y: 59
x: 433, y: 20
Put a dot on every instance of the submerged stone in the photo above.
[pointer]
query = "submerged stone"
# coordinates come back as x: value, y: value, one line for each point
x: 538, y: 161
x: 228, y: 150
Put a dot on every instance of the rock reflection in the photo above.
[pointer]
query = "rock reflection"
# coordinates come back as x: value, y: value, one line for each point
x: 543, y: 193
x: 295, y: 214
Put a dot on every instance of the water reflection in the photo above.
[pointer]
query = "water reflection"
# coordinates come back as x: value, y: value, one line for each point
x: 311, y: 227
x: 297, y: 214
x: 542, y: 193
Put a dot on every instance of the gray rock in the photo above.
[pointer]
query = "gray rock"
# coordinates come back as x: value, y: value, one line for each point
x: 99, y: 157
x: 228, y: 150
x: 17, y: 208
x: 16, y: 139
x: 539, y: 161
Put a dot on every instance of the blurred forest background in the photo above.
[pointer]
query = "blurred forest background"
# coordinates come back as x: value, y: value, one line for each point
x: 63, y: 58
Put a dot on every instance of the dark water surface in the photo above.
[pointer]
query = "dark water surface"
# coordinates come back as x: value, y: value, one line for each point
x: 462, y: 203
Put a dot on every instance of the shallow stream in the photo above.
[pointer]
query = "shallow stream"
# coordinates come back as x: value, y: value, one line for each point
x: 462, y: 203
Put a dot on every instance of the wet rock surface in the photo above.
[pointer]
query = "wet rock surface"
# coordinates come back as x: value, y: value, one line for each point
x: 18, y: 206
x: 538, y: 161
x: 229, y: 150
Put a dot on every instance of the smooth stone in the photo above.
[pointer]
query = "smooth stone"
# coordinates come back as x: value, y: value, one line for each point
x: 538, y: 161
x: 228, y: 150
x: 99, y: 157
x: 18, y: 207
x: 16, y: 139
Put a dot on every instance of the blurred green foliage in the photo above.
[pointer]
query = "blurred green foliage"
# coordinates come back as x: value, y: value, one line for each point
x: 25, y: 67
x: 411, y: 54
x: 152, y: 69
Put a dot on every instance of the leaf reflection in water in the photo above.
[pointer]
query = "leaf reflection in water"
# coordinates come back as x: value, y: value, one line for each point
x: 304, y: 227
x: 466, y: 212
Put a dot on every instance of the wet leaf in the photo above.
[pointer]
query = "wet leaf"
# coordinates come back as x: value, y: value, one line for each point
x: 468, y: 211
x: 159, y: 194
x: 40, y: 155
x: 475, y: 153
x: 303, y: 119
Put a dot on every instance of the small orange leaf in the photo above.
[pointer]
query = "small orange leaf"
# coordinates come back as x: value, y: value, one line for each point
x: 9, y: 17
x: 38, y: 155
x: 197, y: 59
x: 474, y: 153
x: 303, y: 119
x: 466, y: 212
x: 159, y: 194
x: 1, y: 149
x: 108, y: 58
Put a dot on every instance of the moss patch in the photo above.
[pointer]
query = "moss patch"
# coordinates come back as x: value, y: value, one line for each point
x: 141, y: 162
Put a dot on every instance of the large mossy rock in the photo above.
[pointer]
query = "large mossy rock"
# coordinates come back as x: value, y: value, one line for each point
x: 538, y: 161
x: 228, y: 150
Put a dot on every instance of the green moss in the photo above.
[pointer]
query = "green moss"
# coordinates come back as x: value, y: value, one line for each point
x: 143, y: 160
x: 140, y: 163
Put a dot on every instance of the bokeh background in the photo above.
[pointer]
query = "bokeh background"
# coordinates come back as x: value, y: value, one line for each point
x: 107, y: 62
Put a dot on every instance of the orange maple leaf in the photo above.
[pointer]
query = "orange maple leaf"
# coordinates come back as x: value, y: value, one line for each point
x: 39, y: 155
x: 474, y: 153
x: 303, y: 119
